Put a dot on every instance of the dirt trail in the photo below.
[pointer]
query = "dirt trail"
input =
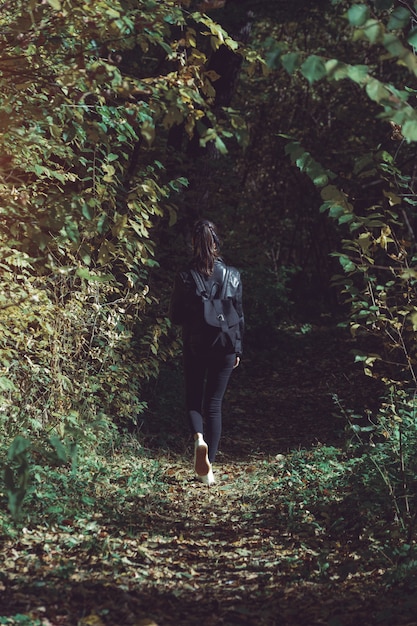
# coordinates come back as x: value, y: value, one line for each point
x: 224, y: 555
x: 204, y: 556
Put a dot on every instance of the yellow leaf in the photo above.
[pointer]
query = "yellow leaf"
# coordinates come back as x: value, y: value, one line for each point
x: 233, y: 45
x: 335, y: 195
x: 393, y: 199
x: 119, y: 225
x: 364, y: 241
x: 413, y: 318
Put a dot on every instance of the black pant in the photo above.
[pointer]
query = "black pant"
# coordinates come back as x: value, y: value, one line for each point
x: 206, y: 377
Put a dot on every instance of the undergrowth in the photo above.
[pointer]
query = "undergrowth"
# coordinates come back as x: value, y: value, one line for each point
x: 334, y: 495
x: 110, y: 486
x: 319, y: 499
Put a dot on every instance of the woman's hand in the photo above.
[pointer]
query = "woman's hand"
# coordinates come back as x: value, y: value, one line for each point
x: 236, y: 362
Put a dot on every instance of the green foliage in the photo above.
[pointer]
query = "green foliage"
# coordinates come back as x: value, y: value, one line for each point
x: 358, y: 14
x: 78, y: 355
x: 89, y: 91
x: 388, y: 31
x: 57, y: 489
x: 307, y: 164
x: 378, y: 276
x: 377, y: 232
x: 343, y: 496
x: 385, y: 445
x: 372, y: 201
x: 16, y: 474
x: 19, y: 466
x: 20, y: 618
x: 71, y: 190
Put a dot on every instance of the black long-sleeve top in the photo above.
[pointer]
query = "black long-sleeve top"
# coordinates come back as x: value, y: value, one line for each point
x: 186, y: 307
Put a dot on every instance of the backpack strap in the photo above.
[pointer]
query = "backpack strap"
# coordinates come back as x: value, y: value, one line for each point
x: 224, y: 285
x: 200, y: 284
x: 202, y: 287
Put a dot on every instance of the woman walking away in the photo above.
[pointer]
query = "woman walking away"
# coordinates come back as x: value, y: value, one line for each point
x: 207, y: 302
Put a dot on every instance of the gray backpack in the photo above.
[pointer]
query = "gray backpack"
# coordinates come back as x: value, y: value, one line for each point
x: 218, y: 310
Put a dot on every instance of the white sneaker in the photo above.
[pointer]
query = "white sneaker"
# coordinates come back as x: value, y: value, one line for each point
x: 208, y: 479
x: 201, y: 463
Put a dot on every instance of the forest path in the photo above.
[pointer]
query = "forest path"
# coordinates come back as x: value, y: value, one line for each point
x: 230, y: 554
x: 269, y: 544
x: 293, y: 393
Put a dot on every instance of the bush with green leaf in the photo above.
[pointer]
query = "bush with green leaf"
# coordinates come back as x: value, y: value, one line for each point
x: 89, y: 91
x: 369, y: 195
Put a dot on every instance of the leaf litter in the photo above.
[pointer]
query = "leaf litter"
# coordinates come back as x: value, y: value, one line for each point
x: 280, y: 538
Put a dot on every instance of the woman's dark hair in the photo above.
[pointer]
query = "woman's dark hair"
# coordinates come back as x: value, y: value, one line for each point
x: 206, y: 246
